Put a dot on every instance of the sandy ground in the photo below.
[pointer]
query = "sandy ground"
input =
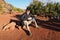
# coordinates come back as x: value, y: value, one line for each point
x: 19, y: 34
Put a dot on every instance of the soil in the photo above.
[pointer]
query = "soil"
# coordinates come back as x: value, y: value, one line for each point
x: 49, y: 30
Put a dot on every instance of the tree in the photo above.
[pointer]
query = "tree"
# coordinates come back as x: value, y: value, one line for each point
x: 36, y: 7
x: 50, y: 9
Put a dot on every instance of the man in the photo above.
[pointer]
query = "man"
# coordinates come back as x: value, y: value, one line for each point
x: 27, y: 19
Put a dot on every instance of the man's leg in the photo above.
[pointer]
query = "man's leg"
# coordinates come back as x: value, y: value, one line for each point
x: 35, y: 23
x: 26, y: 23
x: 29, y: 22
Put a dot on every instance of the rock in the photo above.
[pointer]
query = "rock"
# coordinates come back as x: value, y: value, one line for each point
x: 10, y: 26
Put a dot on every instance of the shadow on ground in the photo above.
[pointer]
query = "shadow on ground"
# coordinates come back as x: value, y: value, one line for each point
x: 52, y: 25
x: 45, y: 24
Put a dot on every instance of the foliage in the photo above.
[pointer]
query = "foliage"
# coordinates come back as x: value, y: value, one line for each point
x: 50, y: 9
x: 17, y: 9
x: 35, y: 7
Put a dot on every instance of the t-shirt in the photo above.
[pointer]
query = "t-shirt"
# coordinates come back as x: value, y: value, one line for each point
x: 25, y: 16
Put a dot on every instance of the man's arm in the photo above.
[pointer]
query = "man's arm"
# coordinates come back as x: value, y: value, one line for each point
x: 33, y: 16
x: 24, y: 16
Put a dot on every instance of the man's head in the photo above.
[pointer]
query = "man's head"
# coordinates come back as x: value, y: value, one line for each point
x: 27, y: 11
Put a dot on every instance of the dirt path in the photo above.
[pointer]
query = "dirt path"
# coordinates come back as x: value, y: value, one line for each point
x: 19, y: 34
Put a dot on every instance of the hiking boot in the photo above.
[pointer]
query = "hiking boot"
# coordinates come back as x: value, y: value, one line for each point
x: 29, y: 33
x: 37, y: 27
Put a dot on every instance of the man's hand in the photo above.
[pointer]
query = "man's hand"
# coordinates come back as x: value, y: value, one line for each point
x: 35, y: 15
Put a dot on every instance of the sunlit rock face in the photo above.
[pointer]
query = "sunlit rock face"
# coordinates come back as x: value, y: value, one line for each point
x: 1, y: 1
x: 4, y: 6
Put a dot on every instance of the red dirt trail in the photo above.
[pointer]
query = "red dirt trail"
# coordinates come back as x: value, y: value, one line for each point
x: 20, y: 34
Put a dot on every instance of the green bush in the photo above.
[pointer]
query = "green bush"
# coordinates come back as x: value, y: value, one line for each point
x: 38, y: 8
x: 17, y: 9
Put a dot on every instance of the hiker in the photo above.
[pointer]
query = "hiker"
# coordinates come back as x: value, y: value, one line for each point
x: 10, y: 10
x: 27, y: 19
